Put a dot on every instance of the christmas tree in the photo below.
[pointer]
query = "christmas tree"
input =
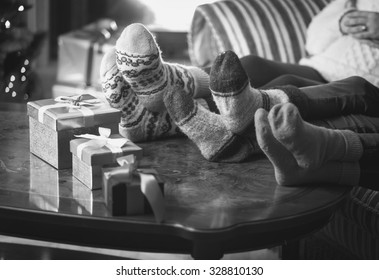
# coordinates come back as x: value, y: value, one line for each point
x: 18, y: 48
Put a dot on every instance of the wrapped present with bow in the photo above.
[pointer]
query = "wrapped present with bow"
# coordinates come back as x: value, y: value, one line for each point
x: 80, y: 53
x: 90, y: 153
x: 129, y: 190
x: 54, y: 122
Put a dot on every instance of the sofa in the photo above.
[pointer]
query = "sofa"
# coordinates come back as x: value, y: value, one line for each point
x: 276, y: 29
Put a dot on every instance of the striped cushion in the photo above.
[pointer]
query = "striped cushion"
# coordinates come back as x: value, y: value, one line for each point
x: 351, y: 236
x: 273, y: 29
x: 363, y: 209
x: 353, y: 230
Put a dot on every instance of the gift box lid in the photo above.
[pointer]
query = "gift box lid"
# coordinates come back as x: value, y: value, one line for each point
x: 103, y: 155
x: 60, y: 115
x: 121, y: 174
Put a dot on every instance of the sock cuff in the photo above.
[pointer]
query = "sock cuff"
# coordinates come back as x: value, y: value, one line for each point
x: 350, y: 174
x: 296, y: 97
x: 208, y: 103
x: 354, y: 147
x: 201, y: 82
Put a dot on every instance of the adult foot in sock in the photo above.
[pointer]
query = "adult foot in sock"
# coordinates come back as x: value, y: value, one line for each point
x: 140, y: 62
x: 286, y: 167
x: 311, y: 145
x: 137, y: 123
x: 236, y: 100
x: 206, y: 129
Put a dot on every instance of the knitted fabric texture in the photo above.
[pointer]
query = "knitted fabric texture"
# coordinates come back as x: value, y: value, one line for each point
x: 337, y: 56
x: 140, y: 62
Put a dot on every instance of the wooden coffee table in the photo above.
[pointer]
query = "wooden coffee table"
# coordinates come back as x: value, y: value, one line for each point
x: 211, y: 208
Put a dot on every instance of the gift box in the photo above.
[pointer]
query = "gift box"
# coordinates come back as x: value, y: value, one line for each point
x: 90, y: 153
x: 80, y: 53
x: 54, y: 122
x: 137, y: 192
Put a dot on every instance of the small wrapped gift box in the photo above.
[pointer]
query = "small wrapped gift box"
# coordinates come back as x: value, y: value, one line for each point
x: 54, y: 122
x: 133, y: 192
x: 80, y: 52
x: 90, y: 153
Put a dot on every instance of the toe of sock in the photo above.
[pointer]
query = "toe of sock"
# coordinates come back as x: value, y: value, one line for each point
x: 276, y: 152
x: 227, y: 73
x: 108, y: 63
x: 285, y: 120
x: 136, y: 38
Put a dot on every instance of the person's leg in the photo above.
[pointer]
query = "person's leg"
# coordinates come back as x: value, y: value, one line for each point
x: 369, y: 163
x: 356, y: 123
x: 262, y: 71
x: 206, y: 129
x: 353, y: 95
x: 237, y: 100
x: 137, y: 123
x: 293, y: 80
x: 140, y: 62
x: 286, y: 167
x: 355, y: 161
x: 311, y: 145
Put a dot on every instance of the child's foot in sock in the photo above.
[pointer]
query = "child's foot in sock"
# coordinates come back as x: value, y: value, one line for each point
x: 287, y: 170
x: 137, y: 123
x: 206, y: 129
x: 311, y: 145
x: 235, y: 98
x: 139, y: 59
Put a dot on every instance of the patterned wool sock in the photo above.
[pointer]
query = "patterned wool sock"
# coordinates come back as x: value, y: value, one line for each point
x: 137, y: 123
x: 139, y: 59
x: 206, y: 129
x: 286, y: 167
x: 235, y: 98
x: 311, y: 145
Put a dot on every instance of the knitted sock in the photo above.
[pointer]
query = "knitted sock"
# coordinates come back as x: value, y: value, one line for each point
x: 235, y: 98
x: 206, y: 129
x: 311, y: 145
x: 137, y: 123
x: 286, y: 167
x: 139, y: 59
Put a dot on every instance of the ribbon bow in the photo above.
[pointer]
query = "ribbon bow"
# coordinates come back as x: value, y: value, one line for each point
x: 102, y: 140
x: 72, y: 102
x: 77, y: 101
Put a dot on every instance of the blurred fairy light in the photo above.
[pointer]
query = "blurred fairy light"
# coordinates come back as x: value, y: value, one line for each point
x: 21, y: 8
x: 23, y: 70
x: 26, y: 62
x: 7, y: 24
x: 23, y: 78
x: 14, y: 94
